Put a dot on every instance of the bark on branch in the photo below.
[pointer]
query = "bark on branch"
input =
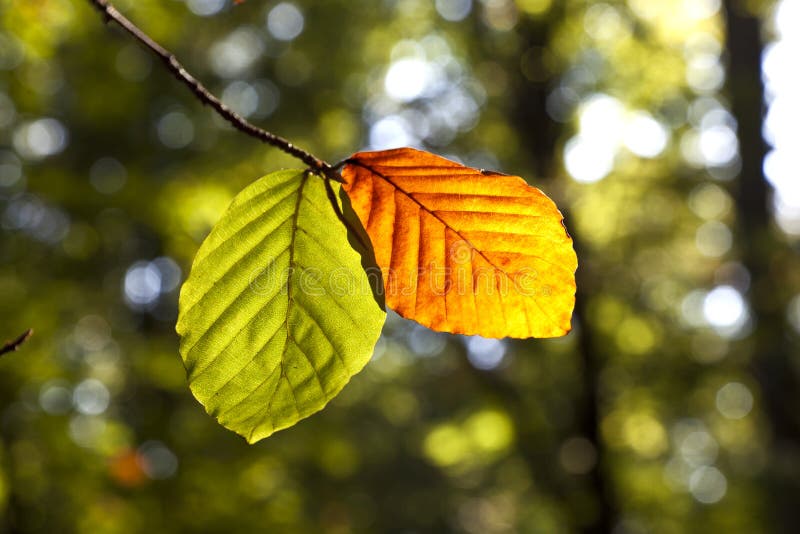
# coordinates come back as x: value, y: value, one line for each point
x: 14, y: 345
x: 111, y: 14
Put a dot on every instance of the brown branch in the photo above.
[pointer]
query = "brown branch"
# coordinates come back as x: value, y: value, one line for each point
x: 172, y: 64
x: 14, y: 345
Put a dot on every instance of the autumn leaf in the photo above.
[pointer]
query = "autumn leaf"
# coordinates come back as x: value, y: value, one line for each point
x: 464, y: 250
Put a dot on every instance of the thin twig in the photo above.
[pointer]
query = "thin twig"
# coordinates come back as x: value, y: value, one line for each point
x: 14, y: 345
x: 172, y: 64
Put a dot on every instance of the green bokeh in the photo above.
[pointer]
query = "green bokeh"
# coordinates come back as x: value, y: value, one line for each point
x: 646, y: 418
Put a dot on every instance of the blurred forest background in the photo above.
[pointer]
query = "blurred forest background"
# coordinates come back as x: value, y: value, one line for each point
x: 666, y: 130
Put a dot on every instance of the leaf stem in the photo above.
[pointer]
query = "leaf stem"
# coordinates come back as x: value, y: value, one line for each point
x: 11, y: 346
x: 110, y: 13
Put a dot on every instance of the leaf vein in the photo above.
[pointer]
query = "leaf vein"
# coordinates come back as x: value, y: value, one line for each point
x: 247, y: 255
x: 228, y: 307
x: 422, y: 206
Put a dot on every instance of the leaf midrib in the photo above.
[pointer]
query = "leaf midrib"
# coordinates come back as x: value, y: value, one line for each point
x: 290, y: 298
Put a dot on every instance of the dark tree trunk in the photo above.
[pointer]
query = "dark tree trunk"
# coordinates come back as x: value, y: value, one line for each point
x: 763, y: 254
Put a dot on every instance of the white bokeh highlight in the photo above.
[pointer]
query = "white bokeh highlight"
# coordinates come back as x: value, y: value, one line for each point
x: 285, y: 21
x: 781, y: 130
x: 605, y: 126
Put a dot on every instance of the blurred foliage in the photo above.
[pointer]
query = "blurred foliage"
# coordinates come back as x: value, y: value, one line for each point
x: 648, y: 417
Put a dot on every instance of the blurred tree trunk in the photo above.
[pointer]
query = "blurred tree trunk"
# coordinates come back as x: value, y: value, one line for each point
x: 764, y: 255
x: 540, y: 133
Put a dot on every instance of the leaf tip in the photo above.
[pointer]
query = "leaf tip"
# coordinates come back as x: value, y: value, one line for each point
x: 252, y: 438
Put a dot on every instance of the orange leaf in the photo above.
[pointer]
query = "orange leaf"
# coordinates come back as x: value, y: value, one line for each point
x: 464, y: 250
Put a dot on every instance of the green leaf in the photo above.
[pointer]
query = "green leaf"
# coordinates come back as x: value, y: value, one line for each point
x: 278, y: 312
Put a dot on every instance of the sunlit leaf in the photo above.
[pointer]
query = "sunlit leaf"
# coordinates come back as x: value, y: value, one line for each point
x: 277, y: 313
x: 464, y: 250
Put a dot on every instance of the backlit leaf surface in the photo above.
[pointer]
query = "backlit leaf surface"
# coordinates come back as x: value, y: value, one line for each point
x: 463, y: 250
x: 277, y: 313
